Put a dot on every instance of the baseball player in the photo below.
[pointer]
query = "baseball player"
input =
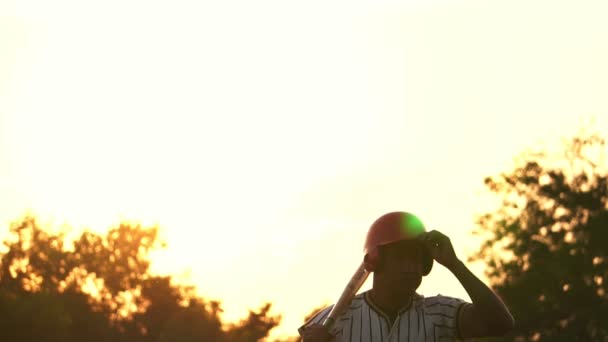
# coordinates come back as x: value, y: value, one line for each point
x: 399, y: 251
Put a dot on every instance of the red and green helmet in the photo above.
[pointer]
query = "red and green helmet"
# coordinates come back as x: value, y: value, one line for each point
x: 393, y: 227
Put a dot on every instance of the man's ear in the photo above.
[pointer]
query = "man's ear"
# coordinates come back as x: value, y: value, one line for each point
x: 373, y: 261
x: 370, y: 263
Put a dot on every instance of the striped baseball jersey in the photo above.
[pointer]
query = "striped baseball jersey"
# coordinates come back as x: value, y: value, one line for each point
x: 426, y: 319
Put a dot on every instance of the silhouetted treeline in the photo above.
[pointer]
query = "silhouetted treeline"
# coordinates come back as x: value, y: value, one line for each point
x: 546, y: 246
x: 100, y: 289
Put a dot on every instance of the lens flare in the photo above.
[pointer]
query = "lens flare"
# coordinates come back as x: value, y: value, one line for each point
x: 411, y: 225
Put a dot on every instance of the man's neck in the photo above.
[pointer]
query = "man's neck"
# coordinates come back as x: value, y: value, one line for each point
x: 390, y: 304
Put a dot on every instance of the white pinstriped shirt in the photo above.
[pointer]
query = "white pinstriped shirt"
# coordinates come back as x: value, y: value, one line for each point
x: 426, y: 319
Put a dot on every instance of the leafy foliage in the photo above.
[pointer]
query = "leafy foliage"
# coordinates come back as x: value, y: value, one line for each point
x: 100, y: 289
x: 546, y: 246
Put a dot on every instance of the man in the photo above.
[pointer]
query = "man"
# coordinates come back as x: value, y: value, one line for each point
x: 399, y: 252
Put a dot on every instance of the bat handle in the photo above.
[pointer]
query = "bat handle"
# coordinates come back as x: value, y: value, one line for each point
x: 329, y: 323
x: 347, y: 295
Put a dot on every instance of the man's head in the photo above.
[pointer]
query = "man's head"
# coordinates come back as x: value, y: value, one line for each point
x: 394, y: 253
x: 400, y: 267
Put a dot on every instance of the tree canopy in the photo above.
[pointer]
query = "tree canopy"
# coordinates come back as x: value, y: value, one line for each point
x: 99, y: 288
x: 546, y: 245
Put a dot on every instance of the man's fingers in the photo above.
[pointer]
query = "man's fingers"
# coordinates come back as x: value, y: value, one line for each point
x: 426, y: 239
x: 434, y: 240
x: 436, y: 237
x: 430, y: 237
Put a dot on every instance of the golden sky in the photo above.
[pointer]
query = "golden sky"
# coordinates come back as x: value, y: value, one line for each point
x: 265, y: 136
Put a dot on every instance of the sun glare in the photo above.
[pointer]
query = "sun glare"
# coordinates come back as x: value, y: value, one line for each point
x: 264, y: 137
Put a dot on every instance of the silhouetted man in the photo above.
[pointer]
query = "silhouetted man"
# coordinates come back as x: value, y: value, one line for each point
x: 399, y: 252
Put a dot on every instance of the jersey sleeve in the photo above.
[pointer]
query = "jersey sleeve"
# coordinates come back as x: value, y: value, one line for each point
x: 444, y: 313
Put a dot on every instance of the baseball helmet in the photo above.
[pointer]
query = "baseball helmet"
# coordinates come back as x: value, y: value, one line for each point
x: 393, y: 227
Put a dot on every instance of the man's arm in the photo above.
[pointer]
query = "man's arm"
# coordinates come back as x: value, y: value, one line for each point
x: 488, y: 315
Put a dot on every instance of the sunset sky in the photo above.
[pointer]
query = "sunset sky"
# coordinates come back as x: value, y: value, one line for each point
x: 264, y: 137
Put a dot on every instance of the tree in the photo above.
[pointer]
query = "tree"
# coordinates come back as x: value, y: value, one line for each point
x: 38, y: 317
x: 99, y: 288
x: 546, y: 245
x: 253, y: 328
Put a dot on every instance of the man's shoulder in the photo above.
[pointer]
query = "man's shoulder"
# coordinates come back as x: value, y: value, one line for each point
x: 356, y: 303
x: 439, y: 299
x: 319, y: 317
x: 446, y: 305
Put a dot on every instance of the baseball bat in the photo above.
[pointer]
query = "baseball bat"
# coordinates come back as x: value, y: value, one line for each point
x: 347, y: 296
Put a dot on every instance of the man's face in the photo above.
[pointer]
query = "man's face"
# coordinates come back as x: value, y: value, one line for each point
x: 401, y: 266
